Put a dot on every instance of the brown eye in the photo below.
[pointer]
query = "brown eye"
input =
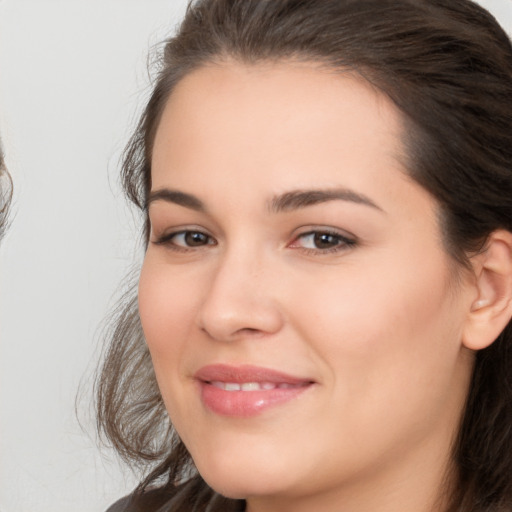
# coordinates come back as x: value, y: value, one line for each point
x: 322, y: 242
x: 186, y: 240
x: 195, y: 238
x: 325, y: 240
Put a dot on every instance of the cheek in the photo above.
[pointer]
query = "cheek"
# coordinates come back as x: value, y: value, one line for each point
x: 387, y: 321
x: 389, y: 347
x: 166, y: 308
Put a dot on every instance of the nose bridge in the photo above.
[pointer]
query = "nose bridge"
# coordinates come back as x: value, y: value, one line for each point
x: 240, y: 298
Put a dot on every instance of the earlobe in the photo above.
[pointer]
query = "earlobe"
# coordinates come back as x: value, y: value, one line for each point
x: 491, y: 310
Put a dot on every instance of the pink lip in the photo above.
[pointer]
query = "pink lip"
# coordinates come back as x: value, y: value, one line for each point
x: 267, y: 388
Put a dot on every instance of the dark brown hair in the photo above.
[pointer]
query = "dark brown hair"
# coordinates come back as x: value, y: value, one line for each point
x: 447, y: 65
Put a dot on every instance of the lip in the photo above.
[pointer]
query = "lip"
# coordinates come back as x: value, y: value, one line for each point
x: 250, y: 390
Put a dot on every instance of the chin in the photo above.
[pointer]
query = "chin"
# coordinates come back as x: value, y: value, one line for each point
x: 241, y: 480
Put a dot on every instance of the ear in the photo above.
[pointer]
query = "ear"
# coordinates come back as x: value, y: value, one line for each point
x: 491, y: 309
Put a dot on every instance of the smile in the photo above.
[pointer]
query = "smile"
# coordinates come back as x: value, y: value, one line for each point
x: 247, y: 390
x: 253, y: 386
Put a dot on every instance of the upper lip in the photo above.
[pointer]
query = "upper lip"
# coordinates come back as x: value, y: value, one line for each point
x: 246, y: 373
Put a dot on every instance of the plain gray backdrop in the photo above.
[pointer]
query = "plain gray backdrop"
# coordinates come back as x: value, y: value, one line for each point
x: 72, y: 80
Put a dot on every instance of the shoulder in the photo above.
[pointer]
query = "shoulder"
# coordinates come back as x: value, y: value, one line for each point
x: 191, y: 496
x: 120, y: 506
x: 146, y: 501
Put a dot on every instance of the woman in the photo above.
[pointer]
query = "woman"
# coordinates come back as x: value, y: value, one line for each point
x: 326, y: 293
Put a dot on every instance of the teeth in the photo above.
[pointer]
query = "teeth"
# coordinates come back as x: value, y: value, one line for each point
x: 249, y: 386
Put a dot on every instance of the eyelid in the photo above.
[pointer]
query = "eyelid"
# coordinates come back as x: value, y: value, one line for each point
x: 347, y: 241
x: 165, y: 239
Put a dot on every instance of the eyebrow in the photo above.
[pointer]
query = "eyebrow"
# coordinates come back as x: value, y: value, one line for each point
x: 297, y: 199
x: 289, y: 201
x: 176, y: 197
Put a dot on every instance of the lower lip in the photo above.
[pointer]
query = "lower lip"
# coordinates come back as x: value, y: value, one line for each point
x: 244, y: 404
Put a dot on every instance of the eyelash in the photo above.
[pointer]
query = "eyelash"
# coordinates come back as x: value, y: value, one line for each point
x: 167, y: 240
x: 341, y: 242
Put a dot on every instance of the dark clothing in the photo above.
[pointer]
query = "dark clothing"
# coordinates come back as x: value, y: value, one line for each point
x: 192, y: 496
x: 151, y: 501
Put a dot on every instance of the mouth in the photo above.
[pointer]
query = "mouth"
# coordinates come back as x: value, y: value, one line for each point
x: 245, y: 391
x: 253, y: 386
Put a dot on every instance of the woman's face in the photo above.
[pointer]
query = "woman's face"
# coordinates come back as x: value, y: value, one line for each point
x: 300, y: 310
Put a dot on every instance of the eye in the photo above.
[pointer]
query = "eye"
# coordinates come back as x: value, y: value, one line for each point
x: 186, y: 239
x: 323, y: 241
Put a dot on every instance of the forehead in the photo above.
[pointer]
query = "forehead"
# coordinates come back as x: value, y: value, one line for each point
x: 293, y: 120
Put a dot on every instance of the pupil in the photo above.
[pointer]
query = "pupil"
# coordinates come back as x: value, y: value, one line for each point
x: 194, y: 239
x: 324, y: 240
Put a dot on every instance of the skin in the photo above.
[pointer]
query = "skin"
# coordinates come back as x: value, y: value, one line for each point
x: 376, y: 323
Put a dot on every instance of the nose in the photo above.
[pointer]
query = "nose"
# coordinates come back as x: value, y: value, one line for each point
x: 240, y: 300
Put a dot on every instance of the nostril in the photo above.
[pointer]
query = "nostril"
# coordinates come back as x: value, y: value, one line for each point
x: 244, y: 332
x: 249, y: 331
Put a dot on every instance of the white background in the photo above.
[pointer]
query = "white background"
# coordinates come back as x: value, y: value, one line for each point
x: 72, y: 79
